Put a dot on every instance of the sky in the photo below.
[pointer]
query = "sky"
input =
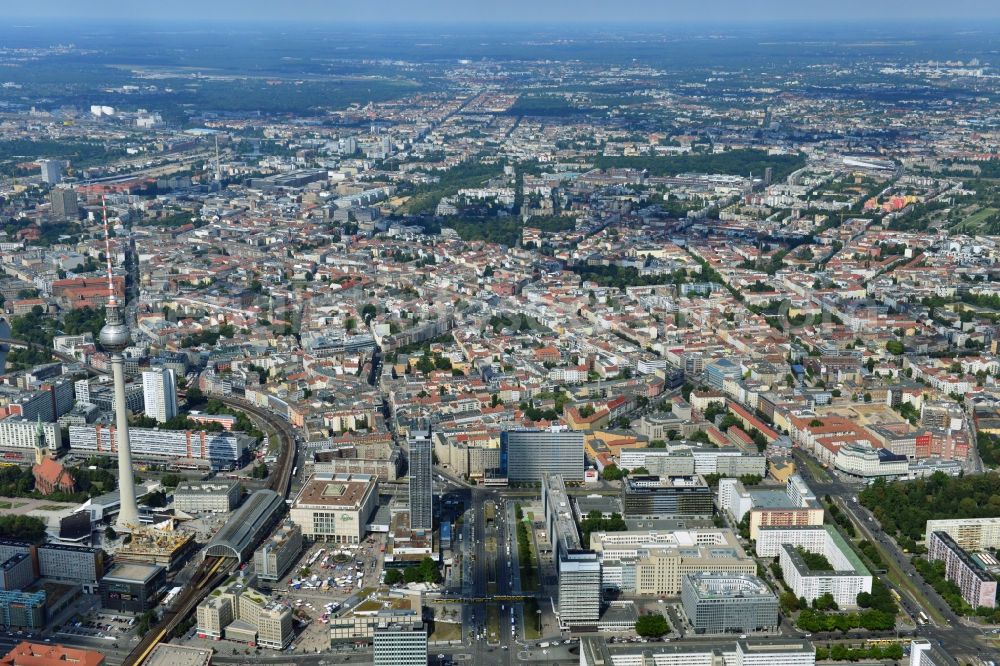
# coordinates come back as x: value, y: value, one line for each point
x: 510, y: 11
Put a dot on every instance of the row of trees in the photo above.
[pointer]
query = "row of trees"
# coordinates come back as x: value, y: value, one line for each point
x: 425, y: 572
x: 841, y: 652
x: 903, y: 509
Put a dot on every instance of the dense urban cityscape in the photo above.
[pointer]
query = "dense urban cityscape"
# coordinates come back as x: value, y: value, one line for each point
x: 405, y: 346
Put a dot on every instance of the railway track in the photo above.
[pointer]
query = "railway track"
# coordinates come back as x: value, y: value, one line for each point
x: 211, y: 572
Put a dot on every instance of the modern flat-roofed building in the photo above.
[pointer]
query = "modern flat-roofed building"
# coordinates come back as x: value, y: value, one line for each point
x: 20, y: 435
x: 844, y: 582
x: 667, y: 497
x: 654, y: 563
x: 776, y: 651
x: 396, y: 644
x: 221, y: 496
x: 792, y: 507
x: 335, y: 507
x: 273, y: 559
x: 159, y: 393
x: 528, y: 455
x: 720, y: 602
x: 168, y: 654
x: 595, y: 651
x: 22, y: 609
x: 133, y: 588
x: 17, y: 572
x: 239, y: 612
x: 218, y: 450
x: 421, y: 482
x: 969, y: 533
x: 74, y: 564
x: 978, y: 586
x: 579, y: 594
x: 579, y: 590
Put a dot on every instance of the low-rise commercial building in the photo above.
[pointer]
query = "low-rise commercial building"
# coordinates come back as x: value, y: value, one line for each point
x: 207, y: 496
x: 133, y: 588
x: 595, y: 651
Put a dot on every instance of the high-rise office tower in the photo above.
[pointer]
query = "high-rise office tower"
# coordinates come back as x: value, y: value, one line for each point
x: 159, y: 391
x: 399, y: 644
x: 421, y: 482
x: 64, y: 205
x: 51, y: 171
x: 115, y: 338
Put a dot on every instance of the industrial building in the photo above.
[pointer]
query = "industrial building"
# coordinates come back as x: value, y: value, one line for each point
x: 720, y: 602
x: 335, y: 507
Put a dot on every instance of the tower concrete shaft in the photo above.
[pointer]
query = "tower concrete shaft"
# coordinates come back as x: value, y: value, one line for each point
x: 128, y: 515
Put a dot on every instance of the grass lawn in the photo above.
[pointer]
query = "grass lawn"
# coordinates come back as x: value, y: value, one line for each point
x: 446, y: 631
x: 973, y: 222
x: 532, y: 620
x: 492, y: 623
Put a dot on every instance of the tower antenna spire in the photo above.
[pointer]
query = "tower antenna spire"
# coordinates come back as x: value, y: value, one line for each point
x: 112, y: 299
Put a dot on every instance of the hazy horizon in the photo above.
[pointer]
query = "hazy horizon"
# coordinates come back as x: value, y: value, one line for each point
x: 514, y: 12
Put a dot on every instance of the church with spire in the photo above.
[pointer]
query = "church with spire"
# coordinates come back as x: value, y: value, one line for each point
x: 50, y: 475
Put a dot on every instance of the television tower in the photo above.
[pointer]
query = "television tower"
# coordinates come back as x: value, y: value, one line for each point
x: 115, y: 337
